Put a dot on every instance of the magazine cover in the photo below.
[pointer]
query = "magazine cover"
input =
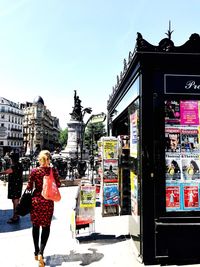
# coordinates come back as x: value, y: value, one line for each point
x: 189, y: 112
x: 110, y: 149
x: 191, y: 168
x: 173, y: 169
x: 110, y: 169
x: 190, y: 140
x: 87, y: 196
x: 111, y: 194
x: 191, y: 197
x: 172, y: 112
x: 172, y: 139
x: 173, y: 197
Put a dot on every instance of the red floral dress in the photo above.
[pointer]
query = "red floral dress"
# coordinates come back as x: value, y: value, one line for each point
x: 42, y: 209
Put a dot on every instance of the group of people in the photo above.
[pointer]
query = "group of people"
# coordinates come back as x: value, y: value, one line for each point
x: 42, y: 209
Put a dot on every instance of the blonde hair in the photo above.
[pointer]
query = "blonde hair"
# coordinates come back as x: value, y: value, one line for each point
x: 44, y: 157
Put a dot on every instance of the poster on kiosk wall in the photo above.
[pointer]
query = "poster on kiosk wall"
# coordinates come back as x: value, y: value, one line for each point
x: 133, y: 173
x: 182, y: 155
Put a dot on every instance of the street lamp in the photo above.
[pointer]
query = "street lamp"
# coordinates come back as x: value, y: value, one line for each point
x: 25, y: 129
x: 82, y: 163
x: 46, y: 132
x: 89, y: 111
x: 32, y: 141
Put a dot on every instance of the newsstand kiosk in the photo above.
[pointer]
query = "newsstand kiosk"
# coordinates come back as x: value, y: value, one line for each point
x: 157, y: 103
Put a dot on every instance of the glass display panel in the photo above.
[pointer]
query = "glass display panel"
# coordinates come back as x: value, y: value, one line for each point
x: 182, y: 155
x: 134, y: 146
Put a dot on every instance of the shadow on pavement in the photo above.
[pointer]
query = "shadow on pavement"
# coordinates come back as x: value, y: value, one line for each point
x: 24, y: 222
x: 84, y: 258
x: 102, y: 239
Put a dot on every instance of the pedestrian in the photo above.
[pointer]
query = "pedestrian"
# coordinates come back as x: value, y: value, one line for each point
x: 7, y: 160
x: 42, y: 209
x: 15, y: 183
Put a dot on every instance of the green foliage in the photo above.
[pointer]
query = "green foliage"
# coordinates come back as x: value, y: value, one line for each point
x: 93, y: 132
x: 63, y: 136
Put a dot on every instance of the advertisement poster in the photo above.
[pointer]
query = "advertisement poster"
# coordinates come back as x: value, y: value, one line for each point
x: 134, y: 193
x: 88, y: 196
x: 189, y: 112
x: 111, y: 194
x: 191, y: 197
x: 173, y: 197
x: 133, y: 134
x: 110, y: 149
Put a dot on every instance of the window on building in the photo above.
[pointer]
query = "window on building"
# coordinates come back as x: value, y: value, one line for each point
x: 2, y: 116
x: 2, y: 124
x: 1, y: 143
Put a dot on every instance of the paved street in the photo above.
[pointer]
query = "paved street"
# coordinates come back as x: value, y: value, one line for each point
x: 108, y: 246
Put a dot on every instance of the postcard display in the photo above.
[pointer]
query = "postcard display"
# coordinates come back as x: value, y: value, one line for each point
x: 83, y: 216
x: 182, y: 153
x: 110, y: 181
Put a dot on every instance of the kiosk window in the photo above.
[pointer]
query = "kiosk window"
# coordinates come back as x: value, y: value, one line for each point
x: 182, y: 148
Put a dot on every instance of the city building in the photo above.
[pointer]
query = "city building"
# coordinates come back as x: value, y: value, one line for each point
x: 11, y: 130
x: 27, y: 127
x: 41, y: 129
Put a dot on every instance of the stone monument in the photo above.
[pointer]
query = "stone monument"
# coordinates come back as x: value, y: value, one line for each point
x: 74, y: 148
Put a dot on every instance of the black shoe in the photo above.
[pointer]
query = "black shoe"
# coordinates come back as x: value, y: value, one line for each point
x: 12, y: 220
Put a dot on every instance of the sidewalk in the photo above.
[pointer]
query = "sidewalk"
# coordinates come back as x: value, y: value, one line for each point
x: 109, y: 246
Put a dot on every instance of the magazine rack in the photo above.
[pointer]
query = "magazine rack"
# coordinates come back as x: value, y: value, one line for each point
x: 83, y: 216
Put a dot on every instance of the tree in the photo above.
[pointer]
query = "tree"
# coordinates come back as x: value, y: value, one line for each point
x: 93, y: 132
x: 63, y: 136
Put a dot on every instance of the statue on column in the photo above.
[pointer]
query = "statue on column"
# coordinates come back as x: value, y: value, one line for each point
x: 77, y: 109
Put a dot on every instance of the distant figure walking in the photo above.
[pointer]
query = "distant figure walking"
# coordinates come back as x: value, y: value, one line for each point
x: 15, y: 183
x: 42, y: 209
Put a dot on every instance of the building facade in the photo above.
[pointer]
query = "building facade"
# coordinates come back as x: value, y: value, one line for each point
x: 27, y: 127
x: 41, y: 129
x: 11, y: 130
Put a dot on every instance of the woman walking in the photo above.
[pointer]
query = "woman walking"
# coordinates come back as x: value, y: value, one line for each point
x: 42, y: 209
x: 15, y: 183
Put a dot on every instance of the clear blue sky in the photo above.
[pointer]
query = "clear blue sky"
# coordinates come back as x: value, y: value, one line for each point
x: 53, y: 47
